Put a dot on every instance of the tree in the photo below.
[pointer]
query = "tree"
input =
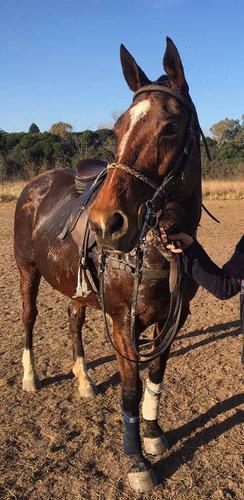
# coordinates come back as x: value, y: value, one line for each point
x: 61, y: 129
x: 3, y: 169
x: 34, y: 129
x: 225, y: 130
x: 239, y: 138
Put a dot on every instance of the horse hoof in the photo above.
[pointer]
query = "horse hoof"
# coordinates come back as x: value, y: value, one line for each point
x: 31, y: 384
x: 155, y: 445
x: 87, y: 391
x: 142, y: 481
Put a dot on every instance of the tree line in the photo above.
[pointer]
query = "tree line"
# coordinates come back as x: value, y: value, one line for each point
x: 25, y: 154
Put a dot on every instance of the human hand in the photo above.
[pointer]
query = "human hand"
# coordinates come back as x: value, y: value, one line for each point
x: 180, y: 242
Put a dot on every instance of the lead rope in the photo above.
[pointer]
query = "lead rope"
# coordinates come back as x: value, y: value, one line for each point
x: 210, y: 159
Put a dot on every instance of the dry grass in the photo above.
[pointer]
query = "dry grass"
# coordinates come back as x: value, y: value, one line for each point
x: 219, y: 189
x: 223, y: 189
x: 10, y: 191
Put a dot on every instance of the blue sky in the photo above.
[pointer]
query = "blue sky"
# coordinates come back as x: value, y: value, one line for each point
x: 60, y: 58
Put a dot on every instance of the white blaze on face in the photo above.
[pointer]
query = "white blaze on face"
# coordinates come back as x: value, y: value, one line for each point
x: 136, y: 114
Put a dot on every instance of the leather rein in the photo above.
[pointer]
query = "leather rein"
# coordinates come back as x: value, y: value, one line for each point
x: 165, y: 337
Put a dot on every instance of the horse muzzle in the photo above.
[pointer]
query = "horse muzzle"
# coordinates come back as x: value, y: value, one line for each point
x: 112, y: 230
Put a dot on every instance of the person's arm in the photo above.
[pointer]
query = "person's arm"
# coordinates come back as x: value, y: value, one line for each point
x: 204, y: 271
x: 207, y: 274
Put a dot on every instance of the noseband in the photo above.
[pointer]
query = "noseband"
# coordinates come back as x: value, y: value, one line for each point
x: 161, y: 194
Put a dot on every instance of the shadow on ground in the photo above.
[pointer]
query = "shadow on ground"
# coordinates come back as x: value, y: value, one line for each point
x: 166, y: 467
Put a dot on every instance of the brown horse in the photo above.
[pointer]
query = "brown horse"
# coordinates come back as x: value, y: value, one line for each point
x: 158, y: 133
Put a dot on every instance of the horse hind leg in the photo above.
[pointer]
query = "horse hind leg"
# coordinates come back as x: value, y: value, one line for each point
x: 29, y: 286
x: 86, y: 386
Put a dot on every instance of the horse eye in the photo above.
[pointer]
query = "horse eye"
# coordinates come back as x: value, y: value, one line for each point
x: 170, y: 129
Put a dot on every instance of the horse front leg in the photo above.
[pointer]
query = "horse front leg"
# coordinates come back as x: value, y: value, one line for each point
x: 141, y: 476
x: 155, y: 443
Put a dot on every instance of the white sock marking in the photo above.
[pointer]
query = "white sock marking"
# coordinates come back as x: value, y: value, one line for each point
x: 79, y: 368
x: 84, y: 381
x: 28, y: 364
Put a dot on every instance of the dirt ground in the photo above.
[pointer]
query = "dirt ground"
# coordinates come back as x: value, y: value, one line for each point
x: 54, y: 445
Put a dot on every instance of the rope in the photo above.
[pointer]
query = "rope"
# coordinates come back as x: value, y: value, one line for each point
x: 135, y: 173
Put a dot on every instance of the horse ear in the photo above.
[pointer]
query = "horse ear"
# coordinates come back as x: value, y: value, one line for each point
x: 173, y: 66
x: 133, y: 74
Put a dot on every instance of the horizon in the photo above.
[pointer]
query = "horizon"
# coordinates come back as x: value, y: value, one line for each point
x: 60, y: 61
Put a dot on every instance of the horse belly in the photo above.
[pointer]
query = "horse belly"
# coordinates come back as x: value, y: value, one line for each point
x: 57, y: 261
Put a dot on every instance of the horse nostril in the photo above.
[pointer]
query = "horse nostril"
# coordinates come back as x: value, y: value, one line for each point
x: 115, y: 223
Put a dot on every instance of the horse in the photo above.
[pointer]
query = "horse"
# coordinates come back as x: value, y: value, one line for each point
x: 157, y: 135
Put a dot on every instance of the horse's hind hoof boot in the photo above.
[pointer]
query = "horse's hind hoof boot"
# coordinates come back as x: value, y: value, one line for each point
x: 142, y: 481
x: 156, y: 445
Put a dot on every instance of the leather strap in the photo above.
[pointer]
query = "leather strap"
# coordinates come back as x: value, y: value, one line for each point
x: 167, y: 90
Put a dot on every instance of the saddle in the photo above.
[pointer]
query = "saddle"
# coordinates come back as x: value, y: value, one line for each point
x: 86, y: 173
x: 89, y: 177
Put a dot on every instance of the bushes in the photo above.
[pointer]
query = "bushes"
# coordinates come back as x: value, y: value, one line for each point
x: 227, y: 160
x: 23, y: 155
x: 26, y: 154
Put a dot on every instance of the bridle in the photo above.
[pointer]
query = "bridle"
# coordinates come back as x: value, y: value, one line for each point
x: 193, y: 130
x: 162, y: 193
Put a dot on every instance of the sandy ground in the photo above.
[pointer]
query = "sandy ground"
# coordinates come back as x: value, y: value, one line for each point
x: 54, y: 445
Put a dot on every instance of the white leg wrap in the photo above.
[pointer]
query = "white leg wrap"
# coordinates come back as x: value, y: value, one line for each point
x: 151, y: 400
x: 85, y: 384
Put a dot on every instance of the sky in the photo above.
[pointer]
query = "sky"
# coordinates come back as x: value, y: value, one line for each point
x: 59, y: 59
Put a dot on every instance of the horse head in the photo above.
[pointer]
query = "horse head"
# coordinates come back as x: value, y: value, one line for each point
x: 158, y: 132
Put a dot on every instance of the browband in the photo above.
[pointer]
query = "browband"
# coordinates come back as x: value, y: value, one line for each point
x: 165, y: 90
